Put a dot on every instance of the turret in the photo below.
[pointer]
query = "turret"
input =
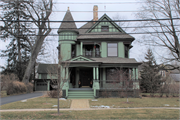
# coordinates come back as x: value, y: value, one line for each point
x: 67, y: 36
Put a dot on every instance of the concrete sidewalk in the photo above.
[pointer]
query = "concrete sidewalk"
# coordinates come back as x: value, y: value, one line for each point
x: 20, y: 110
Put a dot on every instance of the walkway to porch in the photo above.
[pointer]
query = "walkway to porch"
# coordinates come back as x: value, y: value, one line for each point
x: 80, y: 103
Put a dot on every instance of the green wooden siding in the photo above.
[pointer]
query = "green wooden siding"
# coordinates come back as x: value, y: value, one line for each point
x: 52, y: 76
x: 67, y: 36
x: 104, y: 49
x: 43, y: 76
x: 77, y: 49
x: 66, y: 51
x: 121, y: 50
x: 112, y: 28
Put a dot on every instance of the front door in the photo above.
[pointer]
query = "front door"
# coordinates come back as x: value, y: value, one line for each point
x: 86, y: 75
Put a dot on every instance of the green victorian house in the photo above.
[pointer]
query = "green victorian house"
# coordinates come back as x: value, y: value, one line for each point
x: 97, y: 56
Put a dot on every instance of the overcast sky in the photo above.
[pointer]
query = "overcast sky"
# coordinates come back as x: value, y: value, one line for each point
x: 126, y: 9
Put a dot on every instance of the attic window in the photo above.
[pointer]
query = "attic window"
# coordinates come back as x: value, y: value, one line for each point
x: 104, y: 28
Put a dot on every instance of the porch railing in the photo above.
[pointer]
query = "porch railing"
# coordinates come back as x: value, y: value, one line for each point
x: 92, y: 54
x: 119, y: 84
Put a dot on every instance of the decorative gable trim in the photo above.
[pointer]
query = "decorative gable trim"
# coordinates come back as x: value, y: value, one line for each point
x: 107, y: 20
x: 80, y: 58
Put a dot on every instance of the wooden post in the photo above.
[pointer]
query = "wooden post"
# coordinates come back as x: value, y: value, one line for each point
x: 97, y: 73
x: 94, y: 73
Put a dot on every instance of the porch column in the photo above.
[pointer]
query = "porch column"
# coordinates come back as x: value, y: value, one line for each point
x: 97, y: 73
x: 134, y: 73
x: 94, y: 73
x: 81, y: 48
x: 137, y: 75
x: 66, y: 73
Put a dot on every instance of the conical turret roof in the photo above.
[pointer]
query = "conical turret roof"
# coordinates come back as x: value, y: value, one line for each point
x: 66, y: 26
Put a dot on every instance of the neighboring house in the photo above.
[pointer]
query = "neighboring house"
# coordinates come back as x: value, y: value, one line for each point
x: 94, y: 52
x: 175, y: 76
x: 166, y: 72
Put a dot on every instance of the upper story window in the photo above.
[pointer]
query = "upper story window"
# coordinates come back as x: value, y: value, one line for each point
x: 112, y: 49
x: 73, y: 51
x: 126, y: 51
x: 104, y: 28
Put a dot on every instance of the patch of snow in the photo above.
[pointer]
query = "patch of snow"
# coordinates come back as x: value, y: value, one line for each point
x: 166, y: 104
x: 102, y: 106
x: 62, y: 99
x: 94, y: 100
x: 23, y: 100
x: 54, y: 106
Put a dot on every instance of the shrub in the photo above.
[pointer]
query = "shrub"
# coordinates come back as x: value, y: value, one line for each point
x: 6, y: 78
x: 29, y: 87
x: 15, y: 87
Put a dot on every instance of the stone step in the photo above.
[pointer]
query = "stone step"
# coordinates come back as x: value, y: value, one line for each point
x: 77, y: 94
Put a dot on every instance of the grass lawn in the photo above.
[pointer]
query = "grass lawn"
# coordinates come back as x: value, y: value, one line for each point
x: 135, y: 102
x: 155, y: 94
x: 40, y: 102
x: 96, y: 114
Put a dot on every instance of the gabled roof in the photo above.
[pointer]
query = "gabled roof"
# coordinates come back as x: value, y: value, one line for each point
x: 107, y: 19
x: 47, y: 68
x: 115, y: 60
x: 85, y: 33
x: 68, y: 26
x: 85, y: 27
x: 80, y: 58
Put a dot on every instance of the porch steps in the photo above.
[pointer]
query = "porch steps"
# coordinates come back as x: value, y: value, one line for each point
x: 80, y: 94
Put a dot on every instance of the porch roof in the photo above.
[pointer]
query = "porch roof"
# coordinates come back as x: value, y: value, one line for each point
x: 108, y: 60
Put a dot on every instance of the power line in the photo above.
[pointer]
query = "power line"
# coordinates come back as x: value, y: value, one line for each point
x: 94, y: 21
x: 97, y: 2
x: 99, y: 34
x: 80, y: 2
x: 99, y: 28
x: 89, y: 11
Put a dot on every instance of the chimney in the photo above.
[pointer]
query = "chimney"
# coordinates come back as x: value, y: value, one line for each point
x: 95, y: 13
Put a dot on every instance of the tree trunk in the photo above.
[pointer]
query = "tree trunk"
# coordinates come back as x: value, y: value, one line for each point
x: 34, y: 54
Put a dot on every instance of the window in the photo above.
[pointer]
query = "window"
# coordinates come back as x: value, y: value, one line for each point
x: 126, y: 51
x: 112, y: 49
x: 73, y: 51
x: 104, y: 28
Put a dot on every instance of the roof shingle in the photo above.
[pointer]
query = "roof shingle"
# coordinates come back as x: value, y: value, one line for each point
x: 68, y: 25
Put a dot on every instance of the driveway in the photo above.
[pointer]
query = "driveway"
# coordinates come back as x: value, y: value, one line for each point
x: 6, y: 100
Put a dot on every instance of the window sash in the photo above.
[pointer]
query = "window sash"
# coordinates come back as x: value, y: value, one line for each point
x: 112, y: 49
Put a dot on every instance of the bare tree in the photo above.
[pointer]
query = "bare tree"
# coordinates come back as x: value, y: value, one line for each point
x: 39, y: 12
x: 164, y: 34
x: 125, y: 25
x: 60, y: 76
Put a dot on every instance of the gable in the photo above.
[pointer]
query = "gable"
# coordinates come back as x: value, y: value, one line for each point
x: 81, y: 58
x: 112, y: 26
